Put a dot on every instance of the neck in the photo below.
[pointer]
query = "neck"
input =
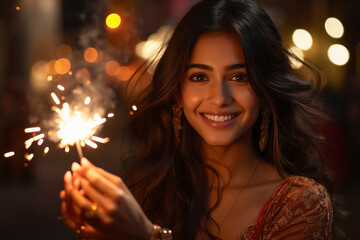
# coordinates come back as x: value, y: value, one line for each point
x: 233, y: 163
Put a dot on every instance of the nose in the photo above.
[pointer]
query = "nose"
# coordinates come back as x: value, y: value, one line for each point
x: 220, y: 93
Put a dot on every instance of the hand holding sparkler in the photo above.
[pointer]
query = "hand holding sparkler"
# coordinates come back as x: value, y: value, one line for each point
x: 106, y: 204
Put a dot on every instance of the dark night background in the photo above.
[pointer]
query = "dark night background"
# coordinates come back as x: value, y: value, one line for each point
x: 29, y: 202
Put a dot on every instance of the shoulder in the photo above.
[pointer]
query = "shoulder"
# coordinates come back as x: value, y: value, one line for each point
x: 299, y: 207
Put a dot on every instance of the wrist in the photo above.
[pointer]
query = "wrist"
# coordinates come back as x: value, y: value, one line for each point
x: 159, y: 233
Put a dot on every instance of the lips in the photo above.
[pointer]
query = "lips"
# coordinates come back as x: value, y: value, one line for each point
x: 219, y: 120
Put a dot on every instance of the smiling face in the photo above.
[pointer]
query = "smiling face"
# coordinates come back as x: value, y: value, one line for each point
x: 216, y: 95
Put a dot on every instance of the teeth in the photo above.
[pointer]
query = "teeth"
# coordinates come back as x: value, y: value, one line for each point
x: 219, y: 118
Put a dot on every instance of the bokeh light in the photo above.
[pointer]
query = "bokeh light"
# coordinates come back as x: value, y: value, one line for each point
x: 334, y: 27
x: 62, y: 66
x: 112, y: 68
x: 64, y: 51
x: 338, y: 54
x: 113, y: 20
x: 50, y: 67
x: 302, y: 39
x: 82, y: 75
x: 91, y: 55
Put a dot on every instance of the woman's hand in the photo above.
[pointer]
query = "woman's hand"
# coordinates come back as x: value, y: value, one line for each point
x: 106, y: 204
x: 70, y: 213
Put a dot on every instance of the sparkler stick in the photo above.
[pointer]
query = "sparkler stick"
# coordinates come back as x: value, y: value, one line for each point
x: 79, y: 150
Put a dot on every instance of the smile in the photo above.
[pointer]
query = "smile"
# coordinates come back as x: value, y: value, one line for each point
x: 217, y: 118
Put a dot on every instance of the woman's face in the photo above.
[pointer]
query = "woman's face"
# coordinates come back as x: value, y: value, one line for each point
x: 216, y: 95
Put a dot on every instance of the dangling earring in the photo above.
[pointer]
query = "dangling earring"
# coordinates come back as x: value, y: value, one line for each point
x: 264, y: 128
x: 177, y: 111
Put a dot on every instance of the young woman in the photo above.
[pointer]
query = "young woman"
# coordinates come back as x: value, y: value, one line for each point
x: 226, y: 142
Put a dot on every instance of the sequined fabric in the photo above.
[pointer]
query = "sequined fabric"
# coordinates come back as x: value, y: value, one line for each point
x: 300, y: 208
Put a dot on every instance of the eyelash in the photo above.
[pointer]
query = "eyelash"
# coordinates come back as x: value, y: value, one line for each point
x: 241, y: 77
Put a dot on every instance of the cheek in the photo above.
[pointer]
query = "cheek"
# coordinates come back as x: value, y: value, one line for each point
x: 191, y: 98
x: 249, y: 101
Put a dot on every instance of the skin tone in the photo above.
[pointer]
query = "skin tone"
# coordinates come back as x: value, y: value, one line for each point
x: 220, y: 104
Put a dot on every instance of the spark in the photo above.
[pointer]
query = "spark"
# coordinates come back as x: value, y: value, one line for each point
x: 110, y: 115
x: 29, y: 156
x: 99, y: 139
x: 87, y: 100
x: 40, y: 142
x: 32, y: 129
x: 55, y: 98
x: 46, y: 150
x: 134, y: 107
x: 9, y: 154
x: 37, y: 137
x: 49, y: 78
x: 60, y: 87
x: 90, y: 143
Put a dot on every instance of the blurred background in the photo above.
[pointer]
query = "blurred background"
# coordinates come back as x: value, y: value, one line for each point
x: 82, y: 48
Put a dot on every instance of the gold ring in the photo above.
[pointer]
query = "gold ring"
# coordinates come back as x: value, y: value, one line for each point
x: 91, y: 213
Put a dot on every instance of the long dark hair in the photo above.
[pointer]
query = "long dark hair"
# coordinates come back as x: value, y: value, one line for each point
x: 171, y: 181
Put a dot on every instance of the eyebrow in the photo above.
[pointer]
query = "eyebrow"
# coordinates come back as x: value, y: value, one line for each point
x: 206, y: 67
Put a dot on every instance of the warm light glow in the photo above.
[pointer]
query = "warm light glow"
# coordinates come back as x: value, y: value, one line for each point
x: 60, y: 87
x: 17, y: 8
x: 90, y: 54
x: 40, y: 142
x: 29, y: 156
x: 112, y: 68
x: 62, y: 66
x: 39, y: 70
x: 67, y: 149
x: 148, y: 49
x: 50, y: 68
x: 90, y: 143
x: 64, y: 51
x: 302, y: 39
x: 49, y: 78
x: 82, y: 75
x: 87, y: 100
x: 110, y: 115
x: 32, y: 129
x: 297, y: 52
x: 100, y: 140
x: 334, y: 27
x: 37, y: 137
x: 134, y: 107
x: 28, y: 143
x: 9, y: 154
x: 338, y: 54
x: 74, y: 126
x: 55, y: 98
x: 46, y: 150
x: 113, y: 20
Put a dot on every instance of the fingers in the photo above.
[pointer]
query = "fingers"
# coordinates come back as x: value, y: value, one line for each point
x: 89, y: 211
x: 111, y: 177
x: 100, y: 183
x: 93, y: 194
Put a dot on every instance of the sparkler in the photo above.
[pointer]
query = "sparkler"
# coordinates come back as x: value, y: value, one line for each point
x: 71, y: 126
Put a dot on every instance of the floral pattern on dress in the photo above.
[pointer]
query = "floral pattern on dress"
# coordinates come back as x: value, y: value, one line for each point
x: 300, y: 208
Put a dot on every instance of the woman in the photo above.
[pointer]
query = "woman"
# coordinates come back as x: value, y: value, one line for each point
x: 226, y: 145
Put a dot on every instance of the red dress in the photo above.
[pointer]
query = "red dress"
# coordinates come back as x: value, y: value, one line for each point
x: 300, y: 208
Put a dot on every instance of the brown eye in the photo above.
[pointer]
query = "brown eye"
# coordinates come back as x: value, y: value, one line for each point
x: 198, y: 77
x: 240, y: 77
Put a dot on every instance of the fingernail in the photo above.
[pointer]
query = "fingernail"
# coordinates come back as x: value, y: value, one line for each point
x: 85, y: 162
x: 75, y: 166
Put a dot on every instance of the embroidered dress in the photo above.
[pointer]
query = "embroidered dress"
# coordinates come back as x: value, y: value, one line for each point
x: 300, y: 208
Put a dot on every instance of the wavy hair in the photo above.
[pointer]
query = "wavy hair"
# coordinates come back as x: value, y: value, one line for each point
x: 170, y: 181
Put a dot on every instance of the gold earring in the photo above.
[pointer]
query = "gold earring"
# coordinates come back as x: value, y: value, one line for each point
x: 177, y: 111
x: 264, y: 128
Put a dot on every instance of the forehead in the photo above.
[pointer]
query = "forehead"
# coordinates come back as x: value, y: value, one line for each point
x: 220, y: 47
